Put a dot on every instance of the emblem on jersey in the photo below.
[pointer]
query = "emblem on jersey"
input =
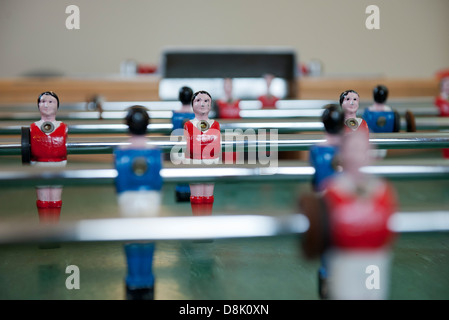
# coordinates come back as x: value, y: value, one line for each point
x: 203, y: 125
x: 381, y: 121
x: 139, y: 166
x: 47, y: 127
x: 352, y: 123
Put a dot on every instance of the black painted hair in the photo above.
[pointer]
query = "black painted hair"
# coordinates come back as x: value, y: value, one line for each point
x: 197, y: 93
x: 333, y: 119
x: 380, y: 94
x: 185, y: 95
x: 47, y: 93
x: 344, y: 94
x: 137, y: 120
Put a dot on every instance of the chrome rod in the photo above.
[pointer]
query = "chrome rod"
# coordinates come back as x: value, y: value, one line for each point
x: 221, y: 173
x: 281, y: 125
x: 423, y: 104
x: 248, y: 141
x: 218, y: 226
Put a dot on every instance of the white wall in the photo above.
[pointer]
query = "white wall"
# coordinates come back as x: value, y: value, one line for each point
x: 413, y: 39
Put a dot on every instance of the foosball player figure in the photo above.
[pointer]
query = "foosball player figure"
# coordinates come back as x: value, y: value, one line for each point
x: 325, y: 160
x: 228, y: 108
x: 382, y: 118
x: 44, y: 145
x: 442, y: 100
x: 349, y: 102
x: 268, y: 100
x: 138, y: 185
x: 182, y: 191
x: 203, y: 140
x: 351, y: 227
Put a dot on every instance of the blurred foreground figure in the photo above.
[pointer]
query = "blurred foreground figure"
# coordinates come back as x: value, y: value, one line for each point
x: 349, y: 227
x: 138, y: 186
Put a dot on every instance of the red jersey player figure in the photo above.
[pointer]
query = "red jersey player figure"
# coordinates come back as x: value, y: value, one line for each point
x: 228, y: 108
x: 358, y: 207
x: 349, y: 102
x: 442, y: 101
x: 48, y: 139
x: 268, y: 100
x: 203, y: 140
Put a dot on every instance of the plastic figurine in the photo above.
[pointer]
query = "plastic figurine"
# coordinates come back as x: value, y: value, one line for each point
x: 203, y: 140
x: 379, y: 116
x: 323, y: 156
x: 349, y: 102
x: 268, y: 100
x: 182, y: 191
x: 325, y: 160
x: 228, y: 108
x: 138, y: 185
x: 442, y: 100
x: 354, y: 236
x: 48, y: 139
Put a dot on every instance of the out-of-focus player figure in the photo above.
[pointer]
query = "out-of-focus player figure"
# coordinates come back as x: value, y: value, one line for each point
x: 354, y: 236
x: 442, y: 100
x: 138, y: 185
x: 228, y: 108
x: 182, y: 191
x: 379, y: 116
x: 324, y: 156
x: 268, y: 100
x: 203, y: 140
x: 325, y: 159
x: 47, y: 140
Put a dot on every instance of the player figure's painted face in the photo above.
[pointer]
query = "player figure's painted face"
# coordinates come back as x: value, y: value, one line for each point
x: 48, y: 105
x: 202, y: 104
x: 350, y: 103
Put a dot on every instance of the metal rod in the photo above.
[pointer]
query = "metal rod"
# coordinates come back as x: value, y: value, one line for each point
x: 268, y: 172
x: 418, y: 105
x: 282, y: 125
x: 219, y: 226
x: 249, y: 141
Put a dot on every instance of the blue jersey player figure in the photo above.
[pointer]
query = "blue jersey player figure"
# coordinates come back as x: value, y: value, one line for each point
x: 324, y: 157
x: 379, y: 116
x: 182, y: 191
x: 138, y: 185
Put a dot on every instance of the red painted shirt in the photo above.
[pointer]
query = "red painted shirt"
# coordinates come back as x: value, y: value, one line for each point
x: 48, y: 147
x: 363, y: 126
x: 360, y: 221
x: 228, y: 110
x: 443, y: 106
x: 268, y: 102
x: 202, y: 144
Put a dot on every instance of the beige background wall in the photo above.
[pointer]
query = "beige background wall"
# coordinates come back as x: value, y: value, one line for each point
x: 413, y: 39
